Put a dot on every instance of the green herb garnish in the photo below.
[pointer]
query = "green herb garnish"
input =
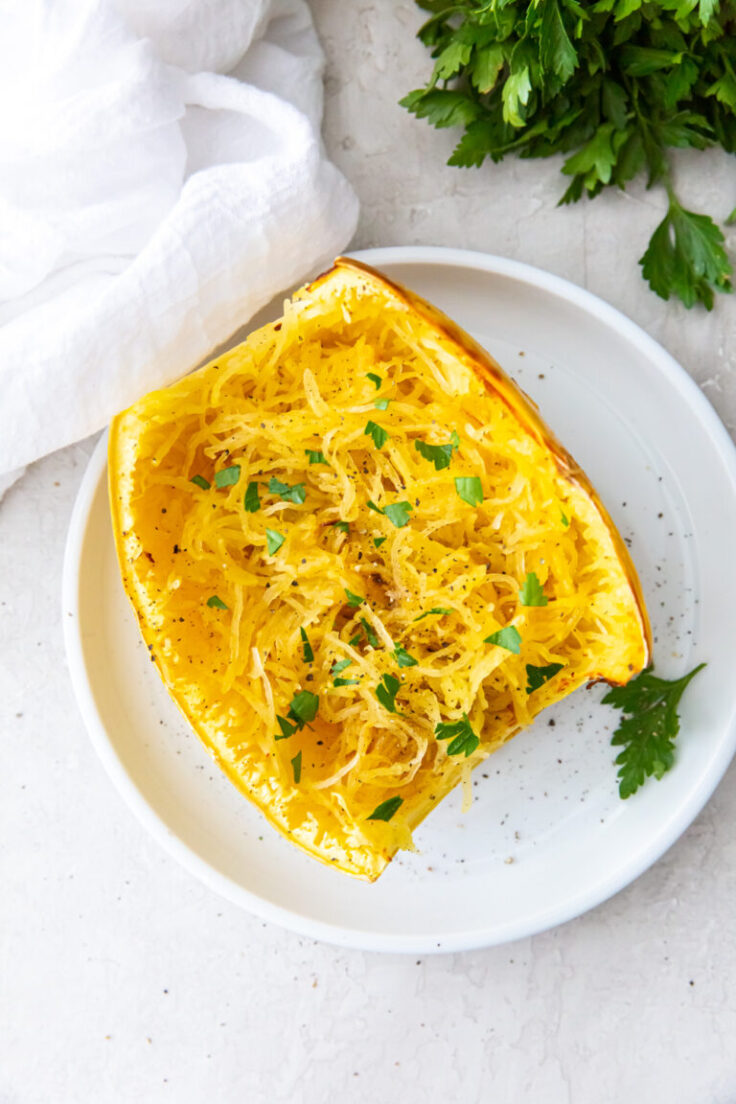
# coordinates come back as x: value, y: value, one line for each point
x: 463, y: 740
x: 376, y: 379
x: 386, y: 692
x: 295, y: 494
x: 287, y: 729
x: 614, y: 86
x: 372, y: 506
x: 353, y: 599
x: 296, y: 766
x: 216, y: 603
x: 531, y: 593
x: 435, y: 609
x: 537, y: 676
x: 316, y: 457
x: 341, y: 526
x: 398, y: 513
x: 227, y: 477
x: 386, y: 809
x: 381, y: 404
x: 369, y: 633
x: 647, y: 731
x: 274, y: 541
x: 470, y: 489
x: 340, y: 665
x: 403, y: 658
x: 439, y: 455
x: 565, y: 520
x: 303, y: 707
x: 378, y: 541
x: 345, y: 682
x: 508, y: 638
x: 378, y: 433
x: 200, y: 481
x: 251, y: 499
x: 308, y: 652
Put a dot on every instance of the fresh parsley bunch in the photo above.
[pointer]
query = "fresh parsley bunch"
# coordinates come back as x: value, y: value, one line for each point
x: 614, y: 85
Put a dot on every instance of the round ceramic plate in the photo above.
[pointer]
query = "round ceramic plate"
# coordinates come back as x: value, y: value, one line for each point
x: 547, y: 836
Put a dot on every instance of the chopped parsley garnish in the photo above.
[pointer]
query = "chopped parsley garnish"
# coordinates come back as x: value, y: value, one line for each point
x: 251, y: 500
x: 508, y: 638
x: 372, y: 506
x: 369, y: 633
x: 378, y: 433
x: 469, y: 489
x: 296, y: 766
x: 216, y: 603
x: 354, y: 640
x: 386, y: 809
x: 647, y: 731
x: 200, y: 481
x: 398, y: 513
x: 381, y: 404
x: 303, y: 707
x: 565, y: 520
x: 403, y: 658
x: 376, y: 379
x: 537, y: 676
x: 378, y: 541
x: 295, y: 494
x: 439, y: 455
x: 287, y: 729
x: 345, y: 682
x: 463, y: 740
x: 315, y: 456
x: 274, y: 541
x: 353, y: 599
x: 439, y: 610
x: 341, y: 526
x: 227, y: 477
x: 531, y: 593
x: 386, y: 692
x: 308, y: 652
x: 340, y: 665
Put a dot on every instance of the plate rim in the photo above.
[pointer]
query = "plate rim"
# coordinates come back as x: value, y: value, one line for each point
x: 491, y: 935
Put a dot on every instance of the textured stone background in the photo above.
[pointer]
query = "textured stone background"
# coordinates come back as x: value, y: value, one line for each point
x: 124, y: 980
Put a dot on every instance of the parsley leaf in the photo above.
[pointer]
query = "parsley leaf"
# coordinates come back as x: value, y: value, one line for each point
x: 340, y: 665
x: 386, y: 692
x: 532, y: 593
x: 470, y: 489
x: 308, y: 652
x: 345, y: 682
x: 378, y: 541
x: 463, y: 740
x: 353, y: 599
x: 508, y: 638
x: 315, y: 456
x: 227, y: 477
x: 398, y: 513
x: 379, y: 435
x: 403, y: 658
x: 381, y: 404
x: 686, y: 258
x: 564, y: 519
x: 200, y: 481
x: 648, y: 729
x: 216, y: 603
x: 296, y: 766
x: 274, y: 541
x: 287, y: 729
x: 377, y: 381
x: 439, y: 455
x: 341, y: 526
x: 537, y: 676
x: 435, y: 609
x: 295, y: 494
x: 369, y: 633
x: 251, y: 500
x: 303, y: 707
x: 386, y: 809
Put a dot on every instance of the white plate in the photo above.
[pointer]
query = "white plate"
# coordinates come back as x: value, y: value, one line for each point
x: 547, y: 836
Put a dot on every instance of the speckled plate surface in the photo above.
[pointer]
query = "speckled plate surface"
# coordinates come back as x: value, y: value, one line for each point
x: 547, y: 836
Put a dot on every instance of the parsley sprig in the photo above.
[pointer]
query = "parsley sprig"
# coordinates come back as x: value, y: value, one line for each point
x: 648, y: 728
x: 615, y: 86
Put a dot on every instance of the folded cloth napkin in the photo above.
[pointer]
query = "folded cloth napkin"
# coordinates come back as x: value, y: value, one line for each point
x: 161, y: 178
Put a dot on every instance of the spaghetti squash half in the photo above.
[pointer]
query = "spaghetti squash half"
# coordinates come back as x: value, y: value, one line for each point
x: 362, y: 562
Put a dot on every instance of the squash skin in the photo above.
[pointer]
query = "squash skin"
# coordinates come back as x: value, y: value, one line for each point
x: 366, y: 853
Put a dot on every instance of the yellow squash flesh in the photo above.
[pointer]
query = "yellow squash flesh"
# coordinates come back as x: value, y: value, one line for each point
x: 303, y: 384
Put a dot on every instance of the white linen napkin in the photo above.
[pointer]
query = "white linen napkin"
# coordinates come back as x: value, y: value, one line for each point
x: 161, y: 178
